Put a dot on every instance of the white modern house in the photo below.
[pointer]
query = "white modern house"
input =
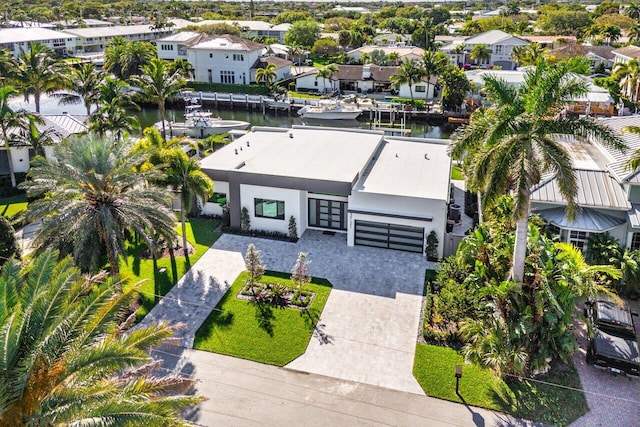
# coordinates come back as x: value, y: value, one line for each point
x: 608, y: 191
x: 224, y: 59
x: 381, y: 191
x: 500, y: 43
x: 175, y: 46
x: 16, y: 40
x: 96, y: 39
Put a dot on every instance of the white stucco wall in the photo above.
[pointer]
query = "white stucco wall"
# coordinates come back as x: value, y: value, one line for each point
x: 437, y: 209
x: 403, y: 91
x: 170, y: 54
x: 294, y: 204
x: 20, y: 157
x: 219, y: 60
x: 211, y: 208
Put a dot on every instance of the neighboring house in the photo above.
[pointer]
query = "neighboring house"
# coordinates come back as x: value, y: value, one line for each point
x: 283, y: 67
x: 500, y: 43
x: 404, y: 52
x: 608, y: 192
x: 85, y: 23
x: 224, y: 59
x: 551, y: 42
x: 91, y: 40
x: 64, y: 126
x: 371, y: 188
x: 254, y: 28
x: 175, y: 46
x: 626, y: 54
x: 16, y: 40
x: 596, y: 54
x: 597, y: 101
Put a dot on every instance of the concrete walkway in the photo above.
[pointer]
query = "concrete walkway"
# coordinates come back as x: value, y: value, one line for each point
x: 243, y: 393
x: 197, y: 293
x: 367, y: 331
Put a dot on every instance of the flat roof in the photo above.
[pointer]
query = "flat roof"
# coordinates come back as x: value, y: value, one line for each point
x: 411, y: 167
x: 18, y: 35
x: 328, y: 154
x: 124, y: 30
x: 184, y: 36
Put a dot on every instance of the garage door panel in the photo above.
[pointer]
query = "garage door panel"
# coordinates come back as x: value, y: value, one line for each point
x: 389, y: 236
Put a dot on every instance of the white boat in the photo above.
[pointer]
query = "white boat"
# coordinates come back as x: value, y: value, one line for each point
x: 201, y: 124
x: 330, y: 110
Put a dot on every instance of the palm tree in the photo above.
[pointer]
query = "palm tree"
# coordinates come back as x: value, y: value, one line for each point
x: 112, y: 89
x: 296, y: 51
x: 67, y: 358
x: 612, y: 33
x: 461, y: 49
x: 38, y: 72
x: 184, y: 175
x: 182, y: 66
x: 632, y: 10
x: 325, y: 73
x: 113, y: 55
x: 433, y: 62
x: 94, y: 198
x: 7, y: 65
x: 480, y: 53
x: 112, y: 118
x: 410, y: 72
x: 10, y: 119
x: 135, y: 56
x: 84, y: 85
x: 634, y: 33
x: 527, y: 55
x: 393, y: 58
x: 37, y: 138
x: 628, y: 74
x: 159, y: 84
x: 512, y: 142
x: 266, y: 74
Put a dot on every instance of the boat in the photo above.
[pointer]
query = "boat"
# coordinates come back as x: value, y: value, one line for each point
x: 328, y: 109
x: 201, y: 124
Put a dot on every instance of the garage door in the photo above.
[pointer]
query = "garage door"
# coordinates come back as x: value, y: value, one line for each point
x: 389, y: 236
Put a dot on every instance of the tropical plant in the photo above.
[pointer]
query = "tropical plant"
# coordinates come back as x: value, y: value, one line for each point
x: 183, y: 66
x: 480, y: 53
x: 84, y: 86
x: 112, y: 119
x: 512, y: 143
x: 11, y: 120
x: 254, y: 265
x: 186, y: 177
x: 94, y: 198
x: 159, y: 84
x: 37, y: 138
x: 325, y: 73
x: 38, y: 72
x: 68, y: 358
x: 628, y: 75
x: 410, y: 72
x: 113, y: 90
x: 455, y: 86
x: 8, y: 245
x: 300, y: 272
x: 634, y: 33
x: 266, y: 74
x: 632, y: 10
x: 528, y: 54
x: 7, y: 65
x: 433, y: 63
x: 125, y: 58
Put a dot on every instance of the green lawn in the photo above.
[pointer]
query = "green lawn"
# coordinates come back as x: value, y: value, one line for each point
x: 261, y: 332
x: 10, y: 206
x: 434, y: 368
x: 199, y: 233
x: 302, y: 95
x: 456, y: 173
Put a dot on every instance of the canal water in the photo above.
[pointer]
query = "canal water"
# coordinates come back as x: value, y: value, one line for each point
x: 149, y: 116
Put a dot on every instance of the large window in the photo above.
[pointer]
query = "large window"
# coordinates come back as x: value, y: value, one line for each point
x: 578, y: 239
x: 635, y: 241
x: 227, y: 77
x: 421, y: 89
x: 328, y: 214
x: 265, y: 208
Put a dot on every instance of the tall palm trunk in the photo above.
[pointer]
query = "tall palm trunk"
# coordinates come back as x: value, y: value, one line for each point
x: 161, y: 110
x: 36, y: 97
x: 183, y: 216
x: 7, y: 147
x: 112, y: 257
x: 520, y: 246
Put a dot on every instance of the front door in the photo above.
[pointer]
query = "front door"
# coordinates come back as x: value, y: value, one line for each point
x: 328, y: 214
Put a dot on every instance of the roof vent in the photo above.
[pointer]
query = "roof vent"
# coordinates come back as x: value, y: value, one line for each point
x: 426, y: 156
x: 236, y: 150
x: 291, y: 135
x: 248, y: 144
x: 396, y: 154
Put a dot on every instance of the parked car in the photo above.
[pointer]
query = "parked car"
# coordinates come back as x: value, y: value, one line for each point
x: 613, y: 342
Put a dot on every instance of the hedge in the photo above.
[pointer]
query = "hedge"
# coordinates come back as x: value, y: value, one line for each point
x: 228, y: 88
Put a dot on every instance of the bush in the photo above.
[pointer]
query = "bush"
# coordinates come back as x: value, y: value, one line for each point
x: 228, y: 88
x: 6, y: 190
x: 275, y: 235
x: 8, y: 244
x: 418, y: 104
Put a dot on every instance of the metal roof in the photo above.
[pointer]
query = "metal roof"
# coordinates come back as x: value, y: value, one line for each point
x: 618, y: 166
x: 585, y: 220
x: 493, y: 37
x: 595, y: 189
x: 18, y: 35
x: 634, y: 215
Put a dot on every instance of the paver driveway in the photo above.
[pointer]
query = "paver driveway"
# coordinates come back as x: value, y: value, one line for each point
x: 367, y: 331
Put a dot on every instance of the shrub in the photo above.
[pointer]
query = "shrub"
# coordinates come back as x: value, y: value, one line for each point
x: 245, y: 219
x: 228, y: 88
x: 293, y: 229
x: 6, y: 190
x: 418, y: 104
x: 8, y: 244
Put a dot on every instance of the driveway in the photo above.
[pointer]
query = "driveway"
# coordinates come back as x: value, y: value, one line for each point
x: 367, y: 331
x: 614, y: 401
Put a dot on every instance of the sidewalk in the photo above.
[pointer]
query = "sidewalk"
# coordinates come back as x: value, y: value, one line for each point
x: 244, y: 393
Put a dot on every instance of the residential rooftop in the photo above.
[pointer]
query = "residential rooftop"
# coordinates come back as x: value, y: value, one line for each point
x: 307, y: 152
x: 20, y: 35
x: 228, y: 42
x: 181, y: 37
x: 410, y: 167
x: 120, y: 30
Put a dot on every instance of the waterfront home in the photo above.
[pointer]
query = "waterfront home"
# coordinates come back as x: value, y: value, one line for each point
x: 608, y: 191
x: 224, y: 59
x: 381, y: 191
x: 500, y: 44
x: 16, y: 40
x: 175, y: 46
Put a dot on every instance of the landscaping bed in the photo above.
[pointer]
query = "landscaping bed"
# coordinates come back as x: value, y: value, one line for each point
x: 278, y: 295
x: 275, y: 334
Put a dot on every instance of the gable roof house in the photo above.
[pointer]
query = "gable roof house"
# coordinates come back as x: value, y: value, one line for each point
x: 608, y: 192
x: 596, y: 54
x: 224, y: 59
x: 175, y: 46
x: 362, y: 184
x: 500, y: 43
x: 626, y: 54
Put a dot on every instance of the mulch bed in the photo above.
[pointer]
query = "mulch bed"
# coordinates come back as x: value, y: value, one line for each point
x: 286, y: 297
x: 165, y: 253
